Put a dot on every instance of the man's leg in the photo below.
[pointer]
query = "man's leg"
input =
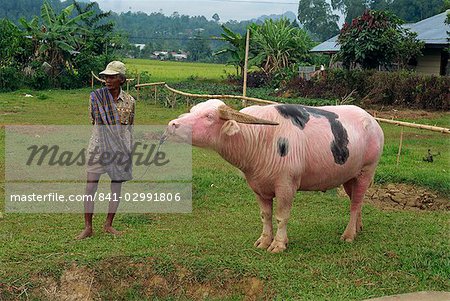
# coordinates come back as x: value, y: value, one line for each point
x: 116, y: 187
x: 91, y: 188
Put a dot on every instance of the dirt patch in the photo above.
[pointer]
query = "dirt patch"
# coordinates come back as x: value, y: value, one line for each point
x: 403, y: 197
x: 8, y: 112
x: 34, y: 130
x: 118, y: 277
x: 76, y: 283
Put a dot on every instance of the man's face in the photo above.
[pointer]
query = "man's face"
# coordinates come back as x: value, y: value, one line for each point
x: 113, y: 82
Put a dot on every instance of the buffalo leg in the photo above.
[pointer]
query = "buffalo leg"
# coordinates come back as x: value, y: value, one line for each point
x: 266, y: 237
x: 356, y: 188
x: 348, y: 187
x: 283, y: 212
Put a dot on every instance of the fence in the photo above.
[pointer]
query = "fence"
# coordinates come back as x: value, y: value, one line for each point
x: 305, y: 72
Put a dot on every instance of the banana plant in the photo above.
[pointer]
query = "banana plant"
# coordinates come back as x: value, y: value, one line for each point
x: 236, y: 49
x: 58, y: 37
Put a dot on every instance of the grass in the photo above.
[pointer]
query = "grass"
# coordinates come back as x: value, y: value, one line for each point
x: 209, y: 253
x: 170, y: 71
x: 411, y: 168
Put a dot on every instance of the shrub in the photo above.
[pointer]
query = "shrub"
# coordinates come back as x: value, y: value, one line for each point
x: 406, y: 89
x: 10, y: 78
x: 257, y: 79
x: 36, y: 78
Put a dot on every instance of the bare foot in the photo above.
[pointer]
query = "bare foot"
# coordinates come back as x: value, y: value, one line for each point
x: 111, y: 230
x: 87, y: 232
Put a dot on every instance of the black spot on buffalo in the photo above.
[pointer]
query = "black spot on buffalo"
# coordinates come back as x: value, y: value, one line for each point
x: 297, y: 114
x: 283, y: 146
x: 340, y: 142
x: 300, y: 116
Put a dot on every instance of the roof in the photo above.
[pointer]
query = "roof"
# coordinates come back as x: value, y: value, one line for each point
x: 330, y: 45
x: 432, y: 31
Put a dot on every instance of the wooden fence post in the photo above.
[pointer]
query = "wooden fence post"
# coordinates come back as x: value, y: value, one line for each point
x: 138, y: 87
x: 244, y: 89
x: 400, y: 146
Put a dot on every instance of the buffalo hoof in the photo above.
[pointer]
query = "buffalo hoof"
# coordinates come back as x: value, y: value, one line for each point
x: 263, y: 242
x: 277, y: 247
x: 348, y: 237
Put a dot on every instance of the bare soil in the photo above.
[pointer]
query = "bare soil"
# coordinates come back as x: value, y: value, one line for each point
x: 115, y: 277
x: 403, y: 197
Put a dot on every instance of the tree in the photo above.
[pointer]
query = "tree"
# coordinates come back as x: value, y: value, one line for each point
x: 410, y: 10
x: 376, y: 38
x: 216, y: 17
x: 198, y: 48
x: 235, y: 48
x: 279, y: 45
x: 350, y: 8
x: 318, y: 19
x: 15, y: 49
x: 101, y: 29
x: 64, y: 45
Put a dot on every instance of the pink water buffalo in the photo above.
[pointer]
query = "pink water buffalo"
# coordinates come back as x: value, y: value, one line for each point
x: 286, y: 148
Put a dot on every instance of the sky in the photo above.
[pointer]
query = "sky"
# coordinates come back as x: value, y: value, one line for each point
x: 226, y: 9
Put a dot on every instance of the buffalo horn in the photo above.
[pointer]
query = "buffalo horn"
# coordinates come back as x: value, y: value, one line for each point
x: 227, y: 113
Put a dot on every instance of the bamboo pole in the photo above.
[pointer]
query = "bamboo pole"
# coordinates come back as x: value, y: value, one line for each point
x: 263, y: 101
x: 97, y: 78
x: 149, y: 84
x: 138, y: 88
x: 414, y: 125
x: 400, y: 146
x: 257, y: 100
x: 244, y: 88
x: 92, y: 82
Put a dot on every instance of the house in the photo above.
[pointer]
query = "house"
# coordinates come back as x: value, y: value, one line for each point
x: 432, y: 31
x: 173, y: 55
x: 182, y: 56
x: 160, y: 55
x: 141, y: 46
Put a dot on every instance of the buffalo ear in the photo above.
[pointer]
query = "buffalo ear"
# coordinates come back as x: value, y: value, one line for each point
x: 230, y: 128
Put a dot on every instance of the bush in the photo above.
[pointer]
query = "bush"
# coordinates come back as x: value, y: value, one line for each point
x: 36, y: 77
x: 10, y: 78
x: 257, y: 79
x: 406, y: 89
x: 85, y: 63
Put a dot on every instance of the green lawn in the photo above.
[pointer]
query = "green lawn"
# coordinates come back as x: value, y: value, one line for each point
x: 208, y: 254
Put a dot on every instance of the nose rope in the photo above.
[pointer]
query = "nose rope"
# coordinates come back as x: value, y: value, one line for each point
x: 162, y: 139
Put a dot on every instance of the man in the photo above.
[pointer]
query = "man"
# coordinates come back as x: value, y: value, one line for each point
x: 112, y: 114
